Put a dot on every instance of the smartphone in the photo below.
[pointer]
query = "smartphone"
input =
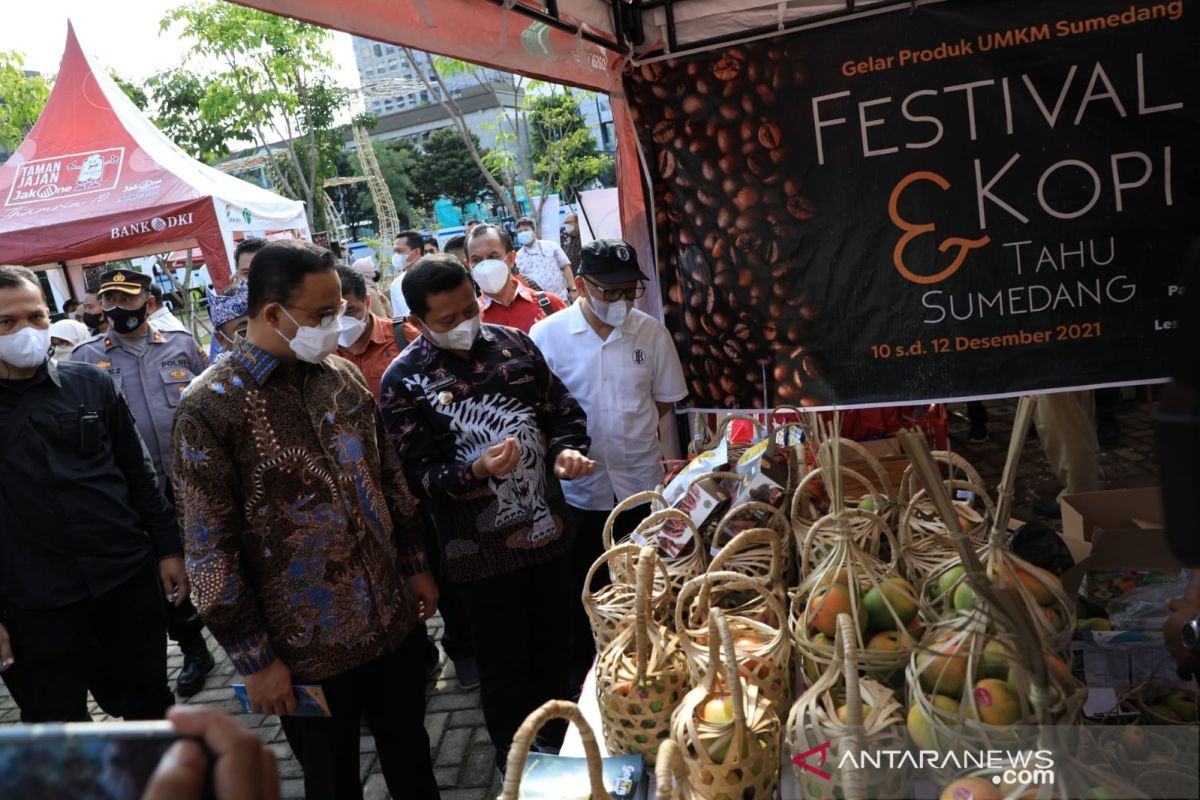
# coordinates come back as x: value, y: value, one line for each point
x: 112, y: 760
x: 310, y: 700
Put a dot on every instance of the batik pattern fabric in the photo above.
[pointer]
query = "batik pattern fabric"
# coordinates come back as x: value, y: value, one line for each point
x: 442, y: 411
x: 299, y: 529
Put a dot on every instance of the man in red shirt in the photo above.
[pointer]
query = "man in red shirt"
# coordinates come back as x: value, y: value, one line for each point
x: 506, y: 300
x: 366, y: 338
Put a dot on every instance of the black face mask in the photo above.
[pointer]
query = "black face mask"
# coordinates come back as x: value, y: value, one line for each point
x: 92, y: 320
x: 125, y: 320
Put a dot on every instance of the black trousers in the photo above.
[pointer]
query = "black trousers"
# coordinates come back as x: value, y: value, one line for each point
x: 115, y: 645
x: 456, y: 635
x: 520, y: 621
x: 589, y: 546
x: 977, y: 414
x: 389, y: 693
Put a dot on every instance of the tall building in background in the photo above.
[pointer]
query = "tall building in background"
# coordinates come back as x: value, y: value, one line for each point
x: 377, y: 60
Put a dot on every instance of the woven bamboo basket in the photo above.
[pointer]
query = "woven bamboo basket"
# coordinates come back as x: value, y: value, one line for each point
x: 924, y: 538
x: 612, y: 608
x: 762, y: 644
x: 809, y: 507
x: 945, y: 590
x: 769, y: 557
x: 738, y: 759
x: 954, y: 468
x: 884, y: 606
x: 851, y: 714
x: 1152, y: 700
x: 657, y: 530
x: 523, y: 743
x: 670, y: 774
x: 641, y: 677
x: 825, y: 449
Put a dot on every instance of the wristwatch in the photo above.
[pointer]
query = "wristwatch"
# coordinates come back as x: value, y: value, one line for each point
x: 1190, y: 635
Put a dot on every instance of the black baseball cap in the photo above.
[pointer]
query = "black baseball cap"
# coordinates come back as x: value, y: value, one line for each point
x: 125, y: 281
x: 609, y: 261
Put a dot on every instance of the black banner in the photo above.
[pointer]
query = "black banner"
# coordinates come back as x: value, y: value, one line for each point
x: 972, y: 199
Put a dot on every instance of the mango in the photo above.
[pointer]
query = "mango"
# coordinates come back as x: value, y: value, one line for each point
x: 971, y: 789
x: 996, y: 659
x: 1094, y: 624
x: 920, y: 727
x: 995, y: 703
x: 903, y: 597
x: 866, y: 504
x: 964, y: 597
x: 887, y: 640
x: 943, y: 669
x: 1135, y: 743
x: 1060, y: 673
x: 841, y: 713
x: 824, y: 606
x: 946, y: 581
x: 1183, y: 705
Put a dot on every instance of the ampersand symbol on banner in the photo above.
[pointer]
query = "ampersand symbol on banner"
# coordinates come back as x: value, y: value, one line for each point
x: 912, y: 231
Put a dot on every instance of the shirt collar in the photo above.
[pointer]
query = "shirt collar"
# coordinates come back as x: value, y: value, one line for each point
x: 258, y: 362
x: 52, y: 372
x: 382, y: 333
x: 576, y: 321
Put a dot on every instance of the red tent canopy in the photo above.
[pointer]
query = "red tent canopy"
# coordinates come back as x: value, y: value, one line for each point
x: 95, y: 180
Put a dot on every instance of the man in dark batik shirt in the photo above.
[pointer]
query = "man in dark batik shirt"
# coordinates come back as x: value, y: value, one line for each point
x: 485, y: 431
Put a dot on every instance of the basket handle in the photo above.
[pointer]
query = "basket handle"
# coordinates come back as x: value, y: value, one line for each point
x: 703, y: 586
x: 523, y: 742
x: 720, y: 648
x: 847, y: 645
x: 625, y: 505
x: 720, y: 474
x: 749, y: 538
x: 670, y: 772
x: 645, y: 588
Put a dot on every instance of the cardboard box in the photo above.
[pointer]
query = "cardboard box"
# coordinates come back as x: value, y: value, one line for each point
x: 1083, y: 513
x: 1122, y: 559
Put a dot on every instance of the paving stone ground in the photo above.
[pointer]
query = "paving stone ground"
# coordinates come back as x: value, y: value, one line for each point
x: 462, y: 753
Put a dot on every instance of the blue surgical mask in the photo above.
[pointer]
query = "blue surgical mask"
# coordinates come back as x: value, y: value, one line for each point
x: 524, y: 238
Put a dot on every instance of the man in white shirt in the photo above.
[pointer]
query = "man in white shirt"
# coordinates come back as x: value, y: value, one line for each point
x: 621, y: 365
x: 543, y: 261
x: 161, y: 316
x: 407, y: 251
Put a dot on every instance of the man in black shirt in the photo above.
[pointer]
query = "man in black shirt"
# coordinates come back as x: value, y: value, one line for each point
x: 87, y: 539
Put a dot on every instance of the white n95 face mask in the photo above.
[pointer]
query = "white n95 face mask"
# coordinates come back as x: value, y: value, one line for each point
x: 352, y: 328
x: 28, y: 347
x: 491, y: 274
x: 460, y: 337
x: 613, y: 313
x: 312, y: 343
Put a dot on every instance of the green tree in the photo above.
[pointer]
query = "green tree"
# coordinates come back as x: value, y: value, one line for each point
x: 196, y: 115
x: 22, y: 98
x: 562, y: 149
x: 447, y: 169
x: 271, y: 81
x: 134, y: 92
x: 397, y: 162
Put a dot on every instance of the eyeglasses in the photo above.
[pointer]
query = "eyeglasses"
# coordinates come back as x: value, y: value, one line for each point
x: 613, y: 295
x: 324, y: 319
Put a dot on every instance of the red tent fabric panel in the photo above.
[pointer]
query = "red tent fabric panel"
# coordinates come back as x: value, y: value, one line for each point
x: 471, y: 30
x: 81, y: 168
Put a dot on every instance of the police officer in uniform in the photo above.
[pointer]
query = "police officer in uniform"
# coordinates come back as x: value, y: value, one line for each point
x: 152, y: 368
